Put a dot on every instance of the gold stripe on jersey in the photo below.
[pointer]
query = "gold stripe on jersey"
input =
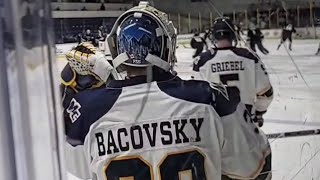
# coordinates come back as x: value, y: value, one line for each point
x: 72, y: 81
x: 127, y: 178
x: 185, y: 173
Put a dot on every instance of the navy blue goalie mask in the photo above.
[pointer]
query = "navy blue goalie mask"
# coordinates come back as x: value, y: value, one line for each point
x: 138, y: 37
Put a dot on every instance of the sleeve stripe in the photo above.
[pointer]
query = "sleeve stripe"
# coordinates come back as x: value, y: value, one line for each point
x: 256, y: 172
x: 68, y: 82
x: 268, y: 92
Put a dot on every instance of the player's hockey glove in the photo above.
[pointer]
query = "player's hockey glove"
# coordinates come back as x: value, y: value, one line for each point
x: 258, y: 119
x: 87, y: 68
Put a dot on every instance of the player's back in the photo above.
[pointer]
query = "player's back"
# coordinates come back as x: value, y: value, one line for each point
x: 232, y: 67
x: 164, y: 130
x: 170, y: 129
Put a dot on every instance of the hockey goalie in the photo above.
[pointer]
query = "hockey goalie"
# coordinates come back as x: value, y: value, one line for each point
x: 153, y: 125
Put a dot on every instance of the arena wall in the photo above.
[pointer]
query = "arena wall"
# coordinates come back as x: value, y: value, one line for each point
x: 302, y: 33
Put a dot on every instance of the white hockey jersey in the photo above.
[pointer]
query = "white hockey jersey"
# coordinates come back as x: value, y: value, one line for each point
x: 168, y: 129
x: 239, y: 68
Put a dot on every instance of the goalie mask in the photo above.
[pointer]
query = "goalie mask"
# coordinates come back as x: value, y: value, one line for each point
x: 143, y: 36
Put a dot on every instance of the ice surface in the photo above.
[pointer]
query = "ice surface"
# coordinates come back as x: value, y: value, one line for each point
x: 296, y: 105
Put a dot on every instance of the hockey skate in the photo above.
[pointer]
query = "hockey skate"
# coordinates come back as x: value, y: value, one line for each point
x: 290, y: 47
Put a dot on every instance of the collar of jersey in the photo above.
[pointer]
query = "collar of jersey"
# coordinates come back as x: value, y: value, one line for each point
x: 139, y: 80
x: 225, y: 48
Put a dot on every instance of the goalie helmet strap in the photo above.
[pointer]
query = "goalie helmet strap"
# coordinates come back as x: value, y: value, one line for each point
x: 154, y: 60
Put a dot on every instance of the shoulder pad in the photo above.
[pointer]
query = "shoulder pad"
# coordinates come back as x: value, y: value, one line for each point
x: 220, y: 88
x: 85, y: 108
x: 203, y: 58
x: 226, y: 99
x: 242, y: 52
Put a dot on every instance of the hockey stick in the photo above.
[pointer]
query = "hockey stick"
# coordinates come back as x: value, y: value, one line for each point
x: 294, y: 134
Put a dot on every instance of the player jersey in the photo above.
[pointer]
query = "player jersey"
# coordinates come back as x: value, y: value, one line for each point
x: 289, y: 29
x: 197, y: 42
x: 168, y: 129
x: 236, y: 67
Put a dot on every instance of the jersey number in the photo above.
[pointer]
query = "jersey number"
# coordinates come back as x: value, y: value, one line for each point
x: 180, y: 166
x: 225, y: 78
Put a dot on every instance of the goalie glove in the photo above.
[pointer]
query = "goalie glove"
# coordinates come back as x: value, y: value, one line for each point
x: 85, y: 59
x: 87, y: 68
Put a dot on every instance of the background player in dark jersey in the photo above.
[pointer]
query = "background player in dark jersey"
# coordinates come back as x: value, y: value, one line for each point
x: 102, y: 33
x: 318, y: 51
x: 260, y: 38
x: 89, y: 37
x: 287, y: 31
x: 255, y: 37
x: 198, y: 42
x: 239, y: 31
x: 207, y: 34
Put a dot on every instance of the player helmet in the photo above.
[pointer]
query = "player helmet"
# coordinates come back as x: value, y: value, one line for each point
x: 223, y: 28
x: 143, y: 36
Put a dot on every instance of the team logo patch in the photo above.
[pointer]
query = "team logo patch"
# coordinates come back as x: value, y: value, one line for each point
x: 74, y: 110
x: 196, y: 60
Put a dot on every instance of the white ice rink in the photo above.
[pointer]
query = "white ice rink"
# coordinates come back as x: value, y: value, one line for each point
x: 296, y: 106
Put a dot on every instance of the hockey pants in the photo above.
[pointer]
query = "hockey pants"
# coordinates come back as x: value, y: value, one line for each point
x: 253, y: 46
x: 198, y: 51
x: 262, y: 48
x: 284, y: 40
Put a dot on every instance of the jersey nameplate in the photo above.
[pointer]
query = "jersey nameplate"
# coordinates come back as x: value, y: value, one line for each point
x: 148, y: 135
x: 227, y: 66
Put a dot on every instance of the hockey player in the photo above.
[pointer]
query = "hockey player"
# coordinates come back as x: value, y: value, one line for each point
x: 236, y: 67
x: 239, y: 31
x: 287, y: 31
x: 79, y: 38
x: 89, y: 37
x: 153, y: 125
x: 207, y: 35
x: 318, y: 51
x: 198, y: 42
x: 102, y: 34
x: 255, y: 37
x: 260, y: 37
